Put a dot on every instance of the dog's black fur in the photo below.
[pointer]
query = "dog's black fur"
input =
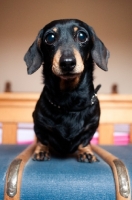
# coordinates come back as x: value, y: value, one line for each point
x: 64, y: 117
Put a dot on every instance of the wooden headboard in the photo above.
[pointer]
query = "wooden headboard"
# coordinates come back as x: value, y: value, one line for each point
x: 18, y: 107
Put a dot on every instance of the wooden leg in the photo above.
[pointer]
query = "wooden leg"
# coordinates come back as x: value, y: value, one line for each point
x: 9, y: 134
x: 130, y: 133
x: 106, y: 134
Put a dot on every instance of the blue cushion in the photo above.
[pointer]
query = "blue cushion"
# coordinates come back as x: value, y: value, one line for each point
x: 67, y: 179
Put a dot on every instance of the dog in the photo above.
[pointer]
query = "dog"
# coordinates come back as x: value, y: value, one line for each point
x: 67, y: 113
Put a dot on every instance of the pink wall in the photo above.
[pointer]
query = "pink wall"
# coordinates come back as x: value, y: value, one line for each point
x: 20, y: 22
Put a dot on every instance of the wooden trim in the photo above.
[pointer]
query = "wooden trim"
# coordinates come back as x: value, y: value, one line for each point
x: 17, y: 165
x: 19, y: 96
x: 17, y: 107
x: 9, y: 134
x: 116, y: 108
x: 122, y: 181
x: 115, y: 97
x: 106, y: 132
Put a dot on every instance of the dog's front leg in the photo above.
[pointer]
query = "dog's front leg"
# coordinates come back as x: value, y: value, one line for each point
x: 85, y: 154
x: 41, y: 152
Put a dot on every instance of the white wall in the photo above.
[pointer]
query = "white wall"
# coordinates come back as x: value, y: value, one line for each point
x: 20, y: 22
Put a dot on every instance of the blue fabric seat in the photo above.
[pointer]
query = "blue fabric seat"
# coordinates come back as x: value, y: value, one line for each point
x: 65, y: 178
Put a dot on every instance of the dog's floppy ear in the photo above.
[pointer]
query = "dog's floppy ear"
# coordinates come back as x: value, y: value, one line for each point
x: 33, y: 57
x: 100, y: 53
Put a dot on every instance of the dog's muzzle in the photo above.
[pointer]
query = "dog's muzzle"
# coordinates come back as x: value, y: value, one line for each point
x: 67, y: 63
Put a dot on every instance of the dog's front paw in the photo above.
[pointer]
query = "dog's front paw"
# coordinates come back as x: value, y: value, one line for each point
x: 85, y: 154
x: 41, y: 153
x: 41, y: 156
x: 87, y: 157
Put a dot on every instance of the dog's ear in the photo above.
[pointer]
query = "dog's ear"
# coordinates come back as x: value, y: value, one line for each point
x: 33, y: 57
x: 100, y: 53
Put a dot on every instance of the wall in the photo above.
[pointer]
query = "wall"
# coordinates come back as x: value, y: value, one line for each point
x: 20, y: 22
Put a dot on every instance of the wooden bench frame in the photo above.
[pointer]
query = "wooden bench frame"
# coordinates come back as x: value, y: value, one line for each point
x: 18, y: 107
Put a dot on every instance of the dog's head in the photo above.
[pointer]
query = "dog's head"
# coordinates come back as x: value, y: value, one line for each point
x: 65, y: 46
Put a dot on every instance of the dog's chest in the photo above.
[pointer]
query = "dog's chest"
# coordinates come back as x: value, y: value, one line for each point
x: 66, y: 131
x: 68, y: 125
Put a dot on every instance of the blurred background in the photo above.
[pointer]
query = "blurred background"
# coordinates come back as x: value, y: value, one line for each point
x: 20, y: 22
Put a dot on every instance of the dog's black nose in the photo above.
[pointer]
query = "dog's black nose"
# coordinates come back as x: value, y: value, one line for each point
x: 67, y: 63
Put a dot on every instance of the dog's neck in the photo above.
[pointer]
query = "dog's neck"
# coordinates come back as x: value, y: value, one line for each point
x: 78, y: 97
x: 76, y: 108
x: 62, y: 108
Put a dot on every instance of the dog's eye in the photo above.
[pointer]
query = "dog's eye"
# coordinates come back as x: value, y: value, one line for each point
x: 82, y: 37
x: 50, y: 38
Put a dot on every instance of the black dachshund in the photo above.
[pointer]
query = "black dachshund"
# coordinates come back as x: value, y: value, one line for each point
x: 67, y: 114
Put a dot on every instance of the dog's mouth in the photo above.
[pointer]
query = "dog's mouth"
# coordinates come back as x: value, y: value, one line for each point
x: 69, y: 81
x: 69, y: 76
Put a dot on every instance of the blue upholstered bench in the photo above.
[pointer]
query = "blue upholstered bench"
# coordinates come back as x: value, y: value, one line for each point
x: 62, y: 178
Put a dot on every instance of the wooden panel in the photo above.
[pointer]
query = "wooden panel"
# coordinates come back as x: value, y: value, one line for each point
x: 116, y: 108
x: 106, y: 134
x: 17, y: 107
x: 9, y: 135
x: 19, y: 96
x: 116, y: 115
x: 16, y: 114
x: 115, y: 98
